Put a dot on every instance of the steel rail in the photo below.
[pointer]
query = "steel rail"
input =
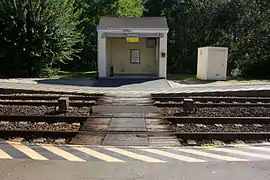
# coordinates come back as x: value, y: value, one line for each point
x: 213, y: 99
x: 47, y: 97
x: 182, y: 135
x: 46, y: 118
x: 240, y: 93
x: 219, y: 120
x: 173, y: 119
x: 45, y: 103
x: 32, y: 134
x: 179, y: 104
x: 224, y: 135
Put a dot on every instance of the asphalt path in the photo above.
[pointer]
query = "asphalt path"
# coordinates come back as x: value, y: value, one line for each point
x: 64, y: 170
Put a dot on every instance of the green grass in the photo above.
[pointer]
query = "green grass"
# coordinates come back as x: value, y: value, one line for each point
x: 208, y: 145
x: 72, y: 74
x: 183, y: 78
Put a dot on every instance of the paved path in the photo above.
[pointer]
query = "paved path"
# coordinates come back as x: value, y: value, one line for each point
x: 139, y: 90
x: 59, y: 170
x: 112, y: 154
x: 130, y: 115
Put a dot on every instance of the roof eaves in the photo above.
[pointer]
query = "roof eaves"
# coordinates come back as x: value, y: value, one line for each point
x: 154, y: 29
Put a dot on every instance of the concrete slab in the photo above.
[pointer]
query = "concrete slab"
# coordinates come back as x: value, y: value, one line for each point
x: 82, y: 139
x: 126, y: 109
x: 127, y: 124
x: 96, y: 124
x: 125, y: 140
x: 137, y: 115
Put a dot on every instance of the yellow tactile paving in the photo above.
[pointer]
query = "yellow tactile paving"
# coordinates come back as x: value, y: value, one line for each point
x: 234, y: 151
x: 62, y: 153
x: 4, y: 155
x: 98, y: 155
x: 206, y: 154
x: 135, y: 156
x: 172, y: 155
x: 28, y: 151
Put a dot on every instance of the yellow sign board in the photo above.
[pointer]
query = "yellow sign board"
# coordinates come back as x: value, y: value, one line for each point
x: 132, y: 39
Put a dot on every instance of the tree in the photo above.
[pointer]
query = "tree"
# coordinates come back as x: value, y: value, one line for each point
x: 92, y: 11
x: 243, y: 26
x: 37, y: 34
x: 129, y: 8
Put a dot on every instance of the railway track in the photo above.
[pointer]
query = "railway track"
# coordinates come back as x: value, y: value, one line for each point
x: 31, y: 134
x: 216, y: 128
x: 224, y: 136
x: 211, y: 104
x: 241, y: 93
x: 220, y: 120
x: 174, y: 120
x: 92, y: 126
x: 214, y: 99
x: 47, y: 97
x: 200, y: 101
x: 45, y: 103
x: 47, y: 118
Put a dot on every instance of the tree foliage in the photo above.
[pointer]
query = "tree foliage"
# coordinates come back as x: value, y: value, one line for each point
x: 37, y: 34
x: 92, y: 11
x: 243, y: 26
x: 128, y: 8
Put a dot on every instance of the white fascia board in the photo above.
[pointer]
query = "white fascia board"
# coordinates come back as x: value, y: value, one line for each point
x: 134, y: 30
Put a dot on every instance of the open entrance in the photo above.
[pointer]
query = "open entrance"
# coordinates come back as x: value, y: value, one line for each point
x: 132, y: 58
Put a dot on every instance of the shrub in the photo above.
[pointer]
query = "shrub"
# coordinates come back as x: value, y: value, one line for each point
x: 36, y: 34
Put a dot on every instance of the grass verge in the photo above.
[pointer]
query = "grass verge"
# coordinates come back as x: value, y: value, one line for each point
x: 191, y: 79
x: 71, y: 74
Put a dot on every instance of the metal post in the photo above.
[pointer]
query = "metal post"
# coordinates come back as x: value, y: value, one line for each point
x: 63, y: 103
x: 188, y: 105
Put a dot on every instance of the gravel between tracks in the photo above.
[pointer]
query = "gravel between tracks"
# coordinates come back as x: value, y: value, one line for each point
x: 223, y: 111
x: 40, y: 126
x: 43, y: 94
x: 61, y: 141
x: 223, y: 128
x: 41, y: 110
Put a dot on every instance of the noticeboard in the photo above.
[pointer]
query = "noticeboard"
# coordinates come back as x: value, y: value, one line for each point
x: 132, y: 39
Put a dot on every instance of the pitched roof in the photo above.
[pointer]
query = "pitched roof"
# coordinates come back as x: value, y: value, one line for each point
x: 132, y: 23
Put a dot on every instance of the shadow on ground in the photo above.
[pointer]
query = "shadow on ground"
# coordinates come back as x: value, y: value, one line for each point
x: 109, y: 82
x: 195, y: 82
x: 118, y: 82
x: 71, y: 81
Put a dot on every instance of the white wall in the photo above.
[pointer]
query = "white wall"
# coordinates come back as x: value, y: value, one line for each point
x: 102, y: 56
x: 163, y: 60
x: 217, y: 63
x: 212, y: 63
x: 121, y: 60
x: 202, y: 63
